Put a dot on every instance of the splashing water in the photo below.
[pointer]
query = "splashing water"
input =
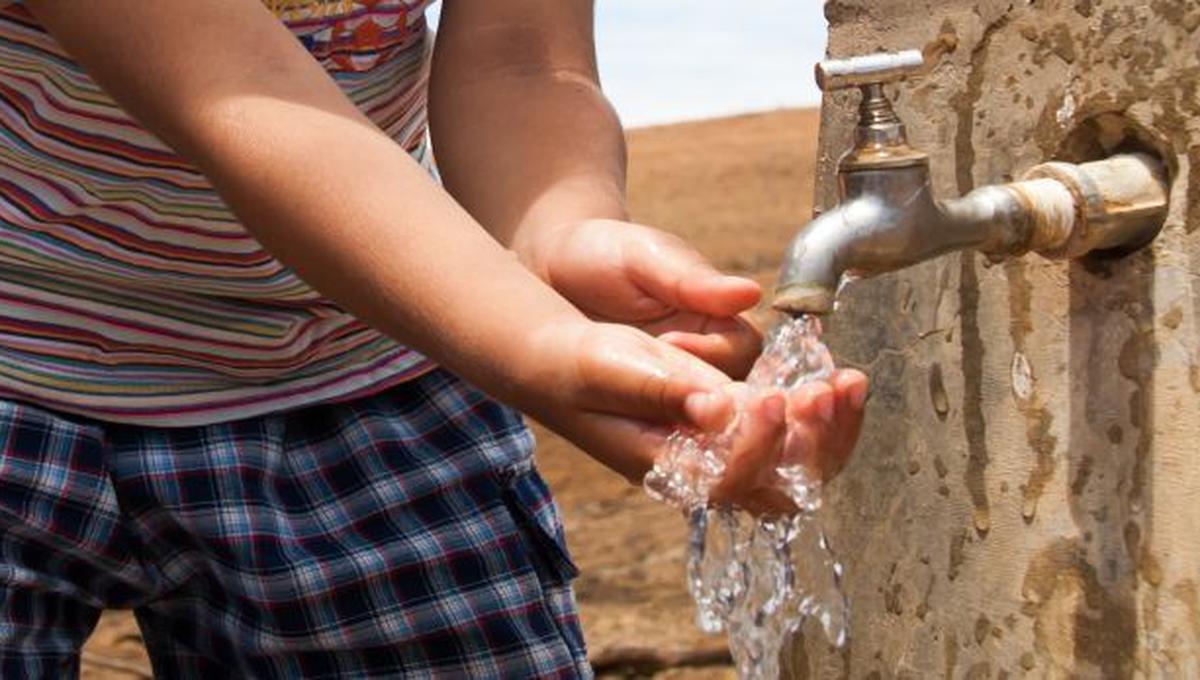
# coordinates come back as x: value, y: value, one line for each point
x: 758, y: 579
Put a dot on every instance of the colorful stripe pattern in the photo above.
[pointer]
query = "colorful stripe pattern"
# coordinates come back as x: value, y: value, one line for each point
x: 128, y: 290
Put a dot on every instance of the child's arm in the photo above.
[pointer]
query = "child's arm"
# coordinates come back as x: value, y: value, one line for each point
x: 527, y: 142
x: 228, y: 86
x: 524, y: 136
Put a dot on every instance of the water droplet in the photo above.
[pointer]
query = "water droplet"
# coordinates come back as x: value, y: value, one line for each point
x: 1029, y: 508
x: 982, y: 520
x: 907, y: 303
x: 939, y: 466
x: 1066, y: 110
x: 1022, y: 377
x: 846, y: 280
x: 937, y: 392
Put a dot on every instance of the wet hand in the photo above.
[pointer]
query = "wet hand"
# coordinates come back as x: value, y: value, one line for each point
x: 628, y: 273
x: 816, y: 425
x: 618, y: 393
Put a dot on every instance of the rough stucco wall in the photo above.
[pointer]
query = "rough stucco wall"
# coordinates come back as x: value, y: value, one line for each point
x: 1026, y: 500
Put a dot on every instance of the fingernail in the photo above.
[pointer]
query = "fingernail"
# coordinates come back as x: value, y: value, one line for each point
x: 738, y: 280
x: 858, y: 395
x: 824, y: 404
x: 708, y: 410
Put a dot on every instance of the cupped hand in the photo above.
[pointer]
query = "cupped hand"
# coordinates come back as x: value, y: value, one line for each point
x: 618, y: 393
x: 629, y: 273
x: 815, y: 425
x: 619, y: 371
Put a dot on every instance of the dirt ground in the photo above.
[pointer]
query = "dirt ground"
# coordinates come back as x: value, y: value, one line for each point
x: 737, y: 188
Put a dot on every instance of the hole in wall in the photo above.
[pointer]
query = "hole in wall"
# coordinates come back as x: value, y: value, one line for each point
x: 1101, y: 136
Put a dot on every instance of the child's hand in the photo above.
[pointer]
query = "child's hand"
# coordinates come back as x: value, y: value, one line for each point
x: 629, y: 273
x: 586, y: 380
x: 816, y: 425
x: 618, y: 393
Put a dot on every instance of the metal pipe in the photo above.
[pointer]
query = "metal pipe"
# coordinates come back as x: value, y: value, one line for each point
x: 888, y: 220
x: 1122, y: 202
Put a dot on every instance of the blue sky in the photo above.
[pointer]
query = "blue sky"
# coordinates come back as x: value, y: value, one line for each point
x: 670, y: 60
x: 663, y: 61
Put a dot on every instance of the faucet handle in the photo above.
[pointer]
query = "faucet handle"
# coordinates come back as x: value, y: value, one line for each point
x: 868, y: 69
x: 880, y: 140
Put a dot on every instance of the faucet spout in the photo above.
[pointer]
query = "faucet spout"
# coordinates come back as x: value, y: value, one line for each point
x: 888, y: 220
x: 816, y: 258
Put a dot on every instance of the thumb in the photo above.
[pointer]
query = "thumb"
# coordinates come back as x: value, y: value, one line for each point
x: 669, y: 270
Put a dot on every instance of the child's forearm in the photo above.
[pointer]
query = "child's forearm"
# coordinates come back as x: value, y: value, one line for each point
x: 525, y: 139
x: 225, y: 84
x: 361, y: 222
x: 322, y: 188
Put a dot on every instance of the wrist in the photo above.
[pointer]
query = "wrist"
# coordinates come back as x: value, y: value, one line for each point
x: 535, y: 245
x: 542, y: 372
x: 549, y: 222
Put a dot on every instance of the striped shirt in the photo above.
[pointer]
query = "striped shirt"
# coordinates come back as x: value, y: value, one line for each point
x: 128, y: 290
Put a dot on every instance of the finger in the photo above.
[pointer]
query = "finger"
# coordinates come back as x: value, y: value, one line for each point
x: 812, y: 408
x: 813, y: 402
x: 693, y: 322
x: 826, y: 420
x: 733, y: 352
x: 804, y: 447
x: 730, y: 343
x: 851, y: 386
x: 710, y: 411
x: 672, y: 271
x: 851, y: 389
x: 756, y: 447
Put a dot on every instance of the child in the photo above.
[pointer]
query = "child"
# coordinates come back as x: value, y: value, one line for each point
x: 246, y: 339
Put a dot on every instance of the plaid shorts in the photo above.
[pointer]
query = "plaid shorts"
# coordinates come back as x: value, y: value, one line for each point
x: 401, y: 535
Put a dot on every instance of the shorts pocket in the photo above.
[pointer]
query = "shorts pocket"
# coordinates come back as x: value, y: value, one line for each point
x: 528, y: 500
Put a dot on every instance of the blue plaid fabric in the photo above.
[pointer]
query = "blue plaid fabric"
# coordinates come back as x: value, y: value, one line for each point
x: 402, y: 535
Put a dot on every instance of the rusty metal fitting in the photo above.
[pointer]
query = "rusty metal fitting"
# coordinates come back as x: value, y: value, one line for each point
x: 1120, y: 203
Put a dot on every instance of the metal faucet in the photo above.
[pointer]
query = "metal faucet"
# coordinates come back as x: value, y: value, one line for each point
x: 888, y: 219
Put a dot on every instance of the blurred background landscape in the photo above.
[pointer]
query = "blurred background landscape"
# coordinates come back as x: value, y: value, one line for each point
x: 668, y: 61
x: 733, y: 183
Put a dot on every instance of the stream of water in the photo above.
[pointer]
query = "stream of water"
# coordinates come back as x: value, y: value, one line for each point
x: 757, y: 578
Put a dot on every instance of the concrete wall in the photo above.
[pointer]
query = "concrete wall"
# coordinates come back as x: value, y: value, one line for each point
x: 1026, y: 500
